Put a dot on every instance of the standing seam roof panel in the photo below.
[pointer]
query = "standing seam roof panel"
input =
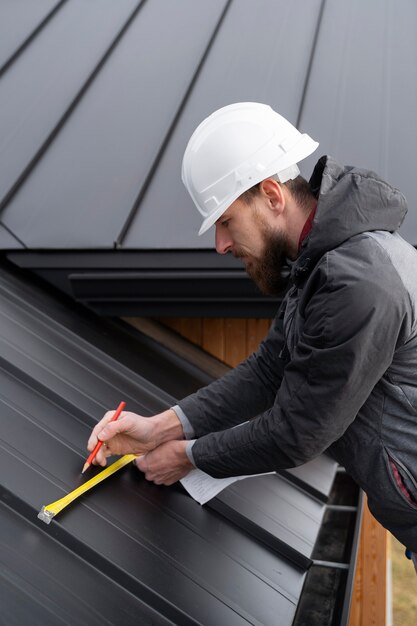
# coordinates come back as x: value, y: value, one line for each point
x: 18, y: 20
x: 183, y: 561
x: 83, y: 371
x: 8, y: 241
x: 362, y: 92
x: 89, y: 597
x: 253, y: 58
x: 39, y: 86
x: 93, y: 170
x: 154, y: 548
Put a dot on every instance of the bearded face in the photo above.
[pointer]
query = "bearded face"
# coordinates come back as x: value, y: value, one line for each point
x: 266, y: 270
x: 252, y: 232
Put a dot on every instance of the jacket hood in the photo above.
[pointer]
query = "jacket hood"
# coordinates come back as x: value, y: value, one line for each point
x: 350, y: 201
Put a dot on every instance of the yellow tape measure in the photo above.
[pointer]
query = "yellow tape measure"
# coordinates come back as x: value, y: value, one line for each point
x: 49, y: 511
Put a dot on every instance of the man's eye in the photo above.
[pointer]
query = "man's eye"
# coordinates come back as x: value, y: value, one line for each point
x: 225, y: 223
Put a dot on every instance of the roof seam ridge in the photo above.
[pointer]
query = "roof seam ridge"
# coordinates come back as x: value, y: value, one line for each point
x: 12, y: 234
x: 123, y: 232
x: 310, y: 63
x: 68, y: 112
x: 12, y: 58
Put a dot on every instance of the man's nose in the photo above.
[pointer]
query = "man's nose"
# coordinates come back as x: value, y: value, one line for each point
x: 223, y: 240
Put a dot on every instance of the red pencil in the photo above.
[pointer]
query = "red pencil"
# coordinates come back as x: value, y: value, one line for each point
x: 100, y: 443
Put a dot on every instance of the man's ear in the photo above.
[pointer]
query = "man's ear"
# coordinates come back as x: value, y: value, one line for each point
x: 274, y: 194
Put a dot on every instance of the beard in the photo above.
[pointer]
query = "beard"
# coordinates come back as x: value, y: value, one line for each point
x: 268, y: 270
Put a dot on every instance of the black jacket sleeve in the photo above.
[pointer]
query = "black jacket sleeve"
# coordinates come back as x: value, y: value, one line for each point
x: 354, y: 315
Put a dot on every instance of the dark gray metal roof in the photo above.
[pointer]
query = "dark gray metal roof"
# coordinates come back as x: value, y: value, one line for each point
x: 98, y: 101
x: 130, y: 551
x: 362, y: 92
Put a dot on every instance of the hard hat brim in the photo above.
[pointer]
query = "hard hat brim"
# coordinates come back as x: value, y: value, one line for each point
x: 211, y: 219
x: 305, y: 147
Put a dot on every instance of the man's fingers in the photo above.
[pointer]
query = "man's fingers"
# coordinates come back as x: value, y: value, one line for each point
x: 141, y: 463
x: 106, y: 429
x: 93, y: 439
x: 101, y: 456
x: 154, y: 472
x: 109, y: 431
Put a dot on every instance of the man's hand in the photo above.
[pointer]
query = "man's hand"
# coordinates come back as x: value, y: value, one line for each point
x: 165, y: 464
x: 133, y: 434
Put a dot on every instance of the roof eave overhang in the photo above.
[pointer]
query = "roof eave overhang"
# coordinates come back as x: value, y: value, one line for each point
x: 180, y: 283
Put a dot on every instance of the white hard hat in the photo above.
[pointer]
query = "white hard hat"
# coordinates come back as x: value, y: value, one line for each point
x: 235, y: 148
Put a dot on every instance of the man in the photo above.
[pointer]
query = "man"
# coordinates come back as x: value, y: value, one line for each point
x: 337, y: 371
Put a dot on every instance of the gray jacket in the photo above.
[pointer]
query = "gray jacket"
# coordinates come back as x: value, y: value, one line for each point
x: 338, y: 369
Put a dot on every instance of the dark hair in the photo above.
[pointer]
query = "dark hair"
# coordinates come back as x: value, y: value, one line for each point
x: 299, y: 188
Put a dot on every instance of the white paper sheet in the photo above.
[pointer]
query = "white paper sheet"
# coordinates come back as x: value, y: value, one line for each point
x: 203, y: 487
